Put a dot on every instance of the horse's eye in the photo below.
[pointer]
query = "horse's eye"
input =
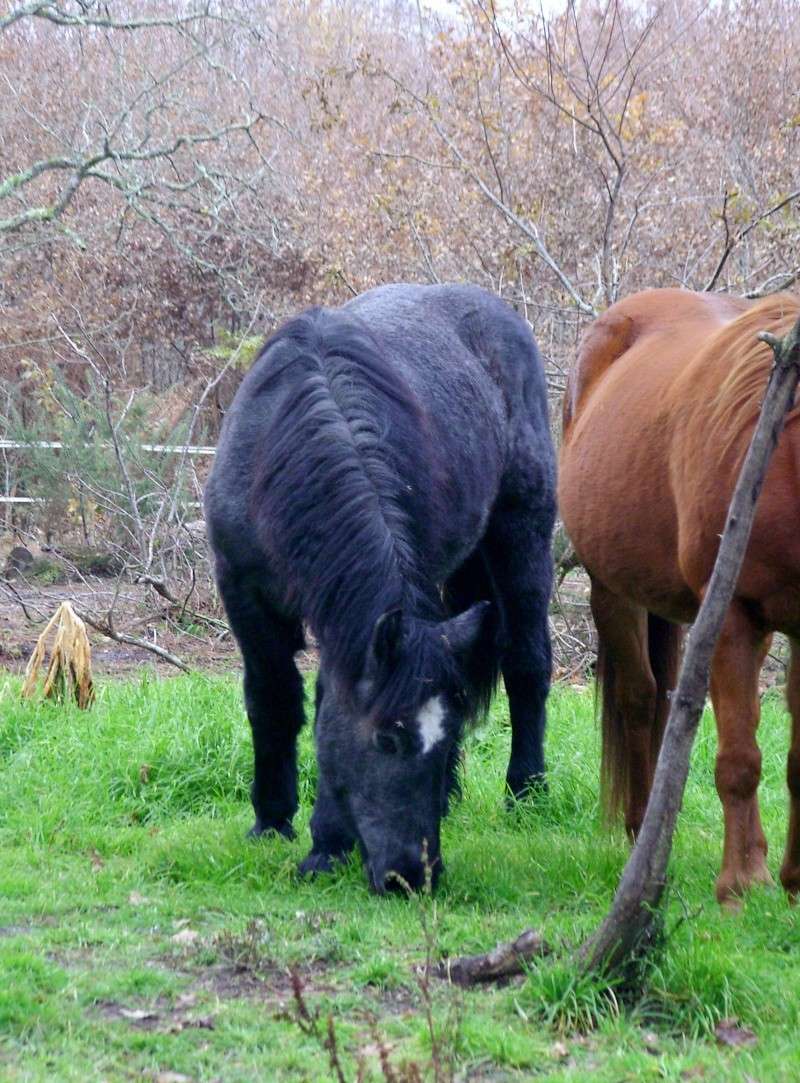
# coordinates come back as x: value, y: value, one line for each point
x: 389, y: 743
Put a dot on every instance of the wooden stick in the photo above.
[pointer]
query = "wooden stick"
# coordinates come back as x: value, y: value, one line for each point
x: 503, y: 961
x: 106, y: 628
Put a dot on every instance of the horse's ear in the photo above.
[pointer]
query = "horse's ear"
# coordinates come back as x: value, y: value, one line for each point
x: 464, y: 633
x: 386, y: 642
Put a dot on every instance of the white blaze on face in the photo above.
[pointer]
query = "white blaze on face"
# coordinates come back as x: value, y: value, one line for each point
x: 430, y: 719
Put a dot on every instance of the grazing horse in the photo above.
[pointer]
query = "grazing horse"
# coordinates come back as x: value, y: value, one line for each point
x: 658, y: 415
x: 386, y: 477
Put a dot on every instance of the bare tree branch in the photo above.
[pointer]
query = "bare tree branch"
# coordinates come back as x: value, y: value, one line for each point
x: 732, y: 240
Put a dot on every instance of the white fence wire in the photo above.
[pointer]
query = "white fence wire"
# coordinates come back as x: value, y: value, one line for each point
x: 57, y: 445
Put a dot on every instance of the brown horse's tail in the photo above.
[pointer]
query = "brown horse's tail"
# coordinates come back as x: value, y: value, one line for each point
x: 664, y: 648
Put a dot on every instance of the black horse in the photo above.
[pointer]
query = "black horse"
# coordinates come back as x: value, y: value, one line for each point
x: 384, y: 475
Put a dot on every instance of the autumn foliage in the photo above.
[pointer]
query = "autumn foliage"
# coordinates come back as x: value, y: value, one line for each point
x: 174, y: 176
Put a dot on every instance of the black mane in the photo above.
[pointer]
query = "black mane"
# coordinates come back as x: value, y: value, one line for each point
x: 330, y: 496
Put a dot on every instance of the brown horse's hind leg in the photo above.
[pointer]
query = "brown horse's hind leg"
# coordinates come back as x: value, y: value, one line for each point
x: 628, y: 704
x: 790, y: 870
x: 739, y: 653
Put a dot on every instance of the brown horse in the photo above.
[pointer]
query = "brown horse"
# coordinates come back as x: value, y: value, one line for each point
x: 657, y: 417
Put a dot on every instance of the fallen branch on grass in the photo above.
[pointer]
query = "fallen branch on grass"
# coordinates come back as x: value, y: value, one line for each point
x: 106, y: 628
x: 503, y: 961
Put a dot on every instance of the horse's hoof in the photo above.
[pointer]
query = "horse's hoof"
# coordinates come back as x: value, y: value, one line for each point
x: 531, y: 788
x: 317, y: 863
x: 731, y: 904
x: 790, y: 881
x: 762, y: 876
x: 731, y: 890
x: 285, y: 829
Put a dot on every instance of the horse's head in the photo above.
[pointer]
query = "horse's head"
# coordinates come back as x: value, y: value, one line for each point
x: 388, y: 753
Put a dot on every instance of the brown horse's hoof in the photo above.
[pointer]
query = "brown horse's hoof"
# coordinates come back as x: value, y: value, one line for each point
x: 761, y: 875
x: 790, y: 878
x: 733, y: 904
x: 730, y: 889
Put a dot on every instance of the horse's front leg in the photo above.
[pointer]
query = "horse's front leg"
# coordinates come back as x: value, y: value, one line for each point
x: 273, y: 692
x: 332, y: 834
x: 735, y: 669
x: 517, y: 545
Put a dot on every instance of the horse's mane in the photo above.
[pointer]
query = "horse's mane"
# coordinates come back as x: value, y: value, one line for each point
x: 331, y: 496
x: 747, y: 361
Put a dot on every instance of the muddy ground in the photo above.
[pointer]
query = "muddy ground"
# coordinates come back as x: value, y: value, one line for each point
x: 25, y: 607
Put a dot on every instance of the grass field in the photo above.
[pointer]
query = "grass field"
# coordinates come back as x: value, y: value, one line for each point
x: 141, y: 935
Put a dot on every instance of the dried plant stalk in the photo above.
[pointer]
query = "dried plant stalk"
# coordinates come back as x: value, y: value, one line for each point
x: 70, y: 671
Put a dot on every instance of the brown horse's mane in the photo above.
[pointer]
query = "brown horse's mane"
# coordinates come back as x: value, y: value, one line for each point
x: 747, y: 362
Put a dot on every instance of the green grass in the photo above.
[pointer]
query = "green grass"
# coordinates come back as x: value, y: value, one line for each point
x: 123, y: 826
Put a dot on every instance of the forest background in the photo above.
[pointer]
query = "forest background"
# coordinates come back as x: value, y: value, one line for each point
x: 177, y: 178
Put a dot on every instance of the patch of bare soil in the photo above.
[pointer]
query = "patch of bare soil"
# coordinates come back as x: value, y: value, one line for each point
x: 16, y: 930
x: 25, y: 607
x: 265, y: 981
x: 164, y: 1015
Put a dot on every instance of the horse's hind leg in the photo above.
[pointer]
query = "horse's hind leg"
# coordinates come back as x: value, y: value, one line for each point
x: 629, y: 693
x: 273, y: 692
x: 790, y: 870
x: 517, y: 547
x: 738, y: 656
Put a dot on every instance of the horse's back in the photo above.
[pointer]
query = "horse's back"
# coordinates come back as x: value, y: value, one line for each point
x: 471, y: 359
x: 716, y: 404
x: 451, y: 331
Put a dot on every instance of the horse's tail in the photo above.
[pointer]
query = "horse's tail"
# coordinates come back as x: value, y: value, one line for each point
x: 614, y: 753
x: 601, y: 345
x: 664, y: 641
x: 663, y: 646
